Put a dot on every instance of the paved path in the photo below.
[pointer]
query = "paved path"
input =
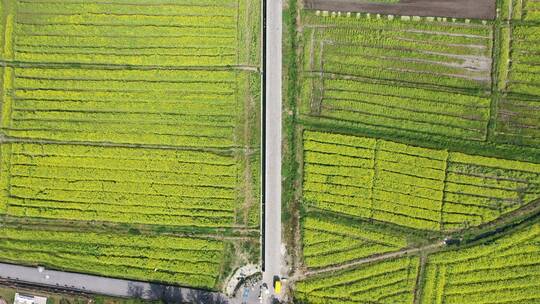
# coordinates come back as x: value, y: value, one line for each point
x: 272, y: 237
x: 108, y: 286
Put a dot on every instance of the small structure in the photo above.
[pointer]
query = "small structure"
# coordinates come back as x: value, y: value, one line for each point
x: 29, y: 299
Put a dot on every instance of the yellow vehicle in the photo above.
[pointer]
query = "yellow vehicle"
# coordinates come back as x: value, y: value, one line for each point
x: 277, y: 285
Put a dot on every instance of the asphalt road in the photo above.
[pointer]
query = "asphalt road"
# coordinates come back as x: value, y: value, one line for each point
x: 108, y: 286
x: 272, y: 237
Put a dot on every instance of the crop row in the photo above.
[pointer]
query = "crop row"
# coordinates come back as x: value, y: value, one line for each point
x: 437, y: 189
x: 195, y: 262
x: 188, y: 108
x: 149, y: 186
x: 505, y: 270
x: 327, y: 242
x: 183, y: 34
x: 391, y: 281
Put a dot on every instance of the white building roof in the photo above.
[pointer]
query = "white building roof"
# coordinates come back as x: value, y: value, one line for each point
x: 29, y: 299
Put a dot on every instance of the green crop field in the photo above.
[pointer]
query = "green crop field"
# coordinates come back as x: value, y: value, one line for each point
x: 518, y: 116
x: 415, y: 156
x: 505, y: 271
x: 328, y: 242
x: 437, y: 189
x: 387, y: 282
x: 398, y: 75
x: 149, y: 186
x: 129, y: 137
x: 186, y: 261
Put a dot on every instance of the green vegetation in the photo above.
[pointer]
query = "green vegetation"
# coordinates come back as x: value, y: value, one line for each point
x: 187, y: 261
x: 147, y: 186
x: 420, y: 163
x: 437, y: 189
x: 386, y: 282
x: 403, y: 75
x: 504, y: 271
x: 127, y: 122
x: 518, y: 115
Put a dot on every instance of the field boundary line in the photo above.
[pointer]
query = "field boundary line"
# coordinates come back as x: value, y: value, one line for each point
x: 9, y: 139
x: 82, y: 66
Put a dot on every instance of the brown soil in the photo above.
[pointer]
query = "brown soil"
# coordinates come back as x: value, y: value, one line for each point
x: 474, y: 9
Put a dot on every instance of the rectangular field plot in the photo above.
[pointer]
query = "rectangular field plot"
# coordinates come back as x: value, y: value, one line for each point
x: 391, y: 281
x: 422, y: 77
x: 196, y: 108
x: 504, y: 271
x: 141, y: 32
x: 437, y: 189
x: 124, y: 185
x: 519, y: 110
x: 180, y: 260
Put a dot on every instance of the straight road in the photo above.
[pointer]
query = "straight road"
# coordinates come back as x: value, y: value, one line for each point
x: 272, y: 125
x: 107, y: 286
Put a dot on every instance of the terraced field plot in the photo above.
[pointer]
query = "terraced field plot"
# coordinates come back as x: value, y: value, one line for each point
x: 437, y: 189
x: 519, y: 107
x: 131, y: 119
x: 398, y: 76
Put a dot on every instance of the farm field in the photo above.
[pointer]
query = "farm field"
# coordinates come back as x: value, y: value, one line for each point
x: 129, y: 137
x: 518, y: 115
x: 437, y: 189
x: 430, y: 78
x: 414, y: 153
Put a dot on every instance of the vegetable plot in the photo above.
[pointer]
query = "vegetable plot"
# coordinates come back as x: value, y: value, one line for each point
x: 437, y: 189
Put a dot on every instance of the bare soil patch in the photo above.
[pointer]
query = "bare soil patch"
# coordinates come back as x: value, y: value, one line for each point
x: 474, y: 9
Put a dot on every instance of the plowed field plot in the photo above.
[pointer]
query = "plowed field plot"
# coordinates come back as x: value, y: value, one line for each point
x: 398, y: 76
x: 482, y: 9
x: 123, y: 121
